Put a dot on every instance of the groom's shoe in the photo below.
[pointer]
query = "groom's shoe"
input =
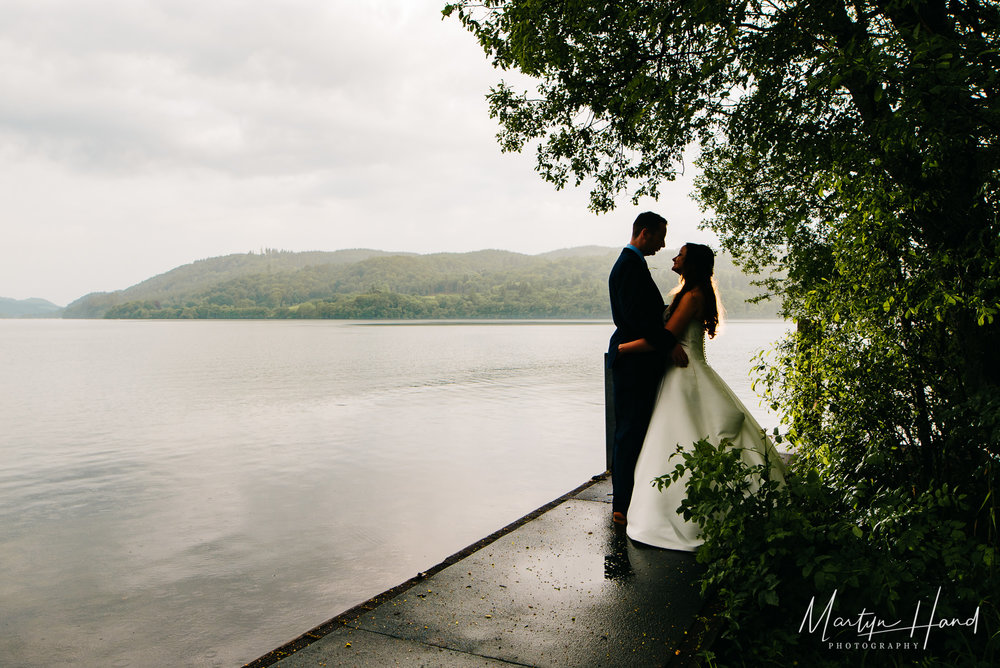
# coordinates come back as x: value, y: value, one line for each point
x: 618, y: 517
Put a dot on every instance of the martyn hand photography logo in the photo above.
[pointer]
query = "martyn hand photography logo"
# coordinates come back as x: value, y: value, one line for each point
x: 890, y: 633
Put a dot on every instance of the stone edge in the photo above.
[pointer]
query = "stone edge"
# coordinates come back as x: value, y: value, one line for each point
x: 352, y: 614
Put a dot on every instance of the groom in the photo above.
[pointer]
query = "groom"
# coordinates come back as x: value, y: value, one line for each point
x: 637, y: 309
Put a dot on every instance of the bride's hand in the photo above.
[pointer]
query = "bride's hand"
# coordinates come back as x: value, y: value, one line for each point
x: 679, y: 355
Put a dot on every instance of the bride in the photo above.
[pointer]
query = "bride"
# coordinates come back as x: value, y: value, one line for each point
x: 693, y: 403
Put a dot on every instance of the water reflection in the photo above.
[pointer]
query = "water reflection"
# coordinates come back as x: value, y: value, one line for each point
x: 617, y: 565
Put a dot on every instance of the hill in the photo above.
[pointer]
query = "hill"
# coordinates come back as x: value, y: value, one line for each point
x: 28, y: 308
x: 368, y: 284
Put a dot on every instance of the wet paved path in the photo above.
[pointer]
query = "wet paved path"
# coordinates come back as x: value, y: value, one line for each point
x: 561, y: 587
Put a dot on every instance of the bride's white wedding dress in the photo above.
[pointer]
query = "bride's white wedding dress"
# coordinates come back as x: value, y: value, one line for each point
x: 693, y: 403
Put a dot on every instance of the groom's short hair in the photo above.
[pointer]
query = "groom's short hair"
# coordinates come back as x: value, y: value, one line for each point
x: 647, y: 220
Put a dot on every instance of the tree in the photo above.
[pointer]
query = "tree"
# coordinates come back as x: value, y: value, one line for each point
x: 854, y: 145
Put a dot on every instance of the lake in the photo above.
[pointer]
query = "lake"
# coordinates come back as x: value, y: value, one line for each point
x: 196, y: 493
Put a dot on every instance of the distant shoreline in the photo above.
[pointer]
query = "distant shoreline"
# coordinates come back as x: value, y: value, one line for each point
x: 368, y: 284
x: 381, y: 321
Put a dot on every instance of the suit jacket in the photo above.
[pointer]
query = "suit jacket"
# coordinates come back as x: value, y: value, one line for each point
x: 636, y: 306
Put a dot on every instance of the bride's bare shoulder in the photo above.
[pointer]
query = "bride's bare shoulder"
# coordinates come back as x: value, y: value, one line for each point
x: 695, y: 296
x: 692, y: 303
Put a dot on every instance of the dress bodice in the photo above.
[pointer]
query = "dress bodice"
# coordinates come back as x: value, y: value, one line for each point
x: 694, y: 341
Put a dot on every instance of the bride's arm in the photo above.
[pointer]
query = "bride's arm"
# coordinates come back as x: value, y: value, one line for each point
x: 687, y: 309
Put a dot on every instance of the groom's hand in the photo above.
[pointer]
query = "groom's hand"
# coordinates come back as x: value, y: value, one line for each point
x: 679, y: 355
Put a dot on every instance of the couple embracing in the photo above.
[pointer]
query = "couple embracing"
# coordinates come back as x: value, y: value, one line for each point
x: 665, y: 394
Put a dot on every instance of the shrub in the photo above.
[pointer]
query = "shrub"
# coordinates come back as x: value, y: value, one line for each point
x: 772, y: 547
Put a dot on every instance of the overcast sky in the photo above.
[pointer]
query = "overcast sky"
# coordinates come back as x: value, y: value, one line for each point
x: 140, y: 135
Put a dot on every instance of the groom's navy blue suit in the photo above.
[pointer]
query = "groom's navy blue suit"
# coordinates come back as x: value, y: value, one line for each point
x: 637, y: 309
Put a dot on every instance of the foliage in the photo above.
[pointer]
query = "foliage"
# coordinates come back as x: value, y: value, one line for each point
x: 772, y: 547
x: 203, y: 274
x: 487, y: 284
x: 854, y: 145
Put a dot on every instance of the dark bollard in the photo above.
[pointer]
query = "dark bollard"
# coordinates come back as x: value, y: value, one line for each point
x: 609, y: 414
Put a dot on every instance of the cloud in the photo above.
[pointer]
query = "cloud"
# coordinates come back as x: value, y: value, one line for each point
x: 139, y: 135
x: 243, y: 88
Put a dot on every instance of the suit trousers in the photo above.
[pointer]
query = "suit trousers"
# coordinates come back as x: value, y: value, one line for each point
x: 636, y: 380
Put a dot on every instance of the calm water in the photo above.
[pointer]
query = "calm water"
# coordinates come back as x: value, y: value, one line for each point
x: 197, y: 493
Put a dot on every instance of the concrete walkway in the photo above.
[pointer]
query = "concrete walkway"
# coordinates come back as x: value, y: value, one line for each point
x: 560, y: 587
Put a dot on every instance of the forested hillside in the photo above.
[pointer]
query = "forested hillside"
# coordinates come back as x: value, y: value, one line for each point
x: 365, y: 284
x: 28, y: 308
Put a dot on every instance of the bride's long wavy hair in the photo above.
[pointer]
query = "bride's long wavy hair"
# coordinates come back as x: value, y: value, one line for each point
x: 699, y: 271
